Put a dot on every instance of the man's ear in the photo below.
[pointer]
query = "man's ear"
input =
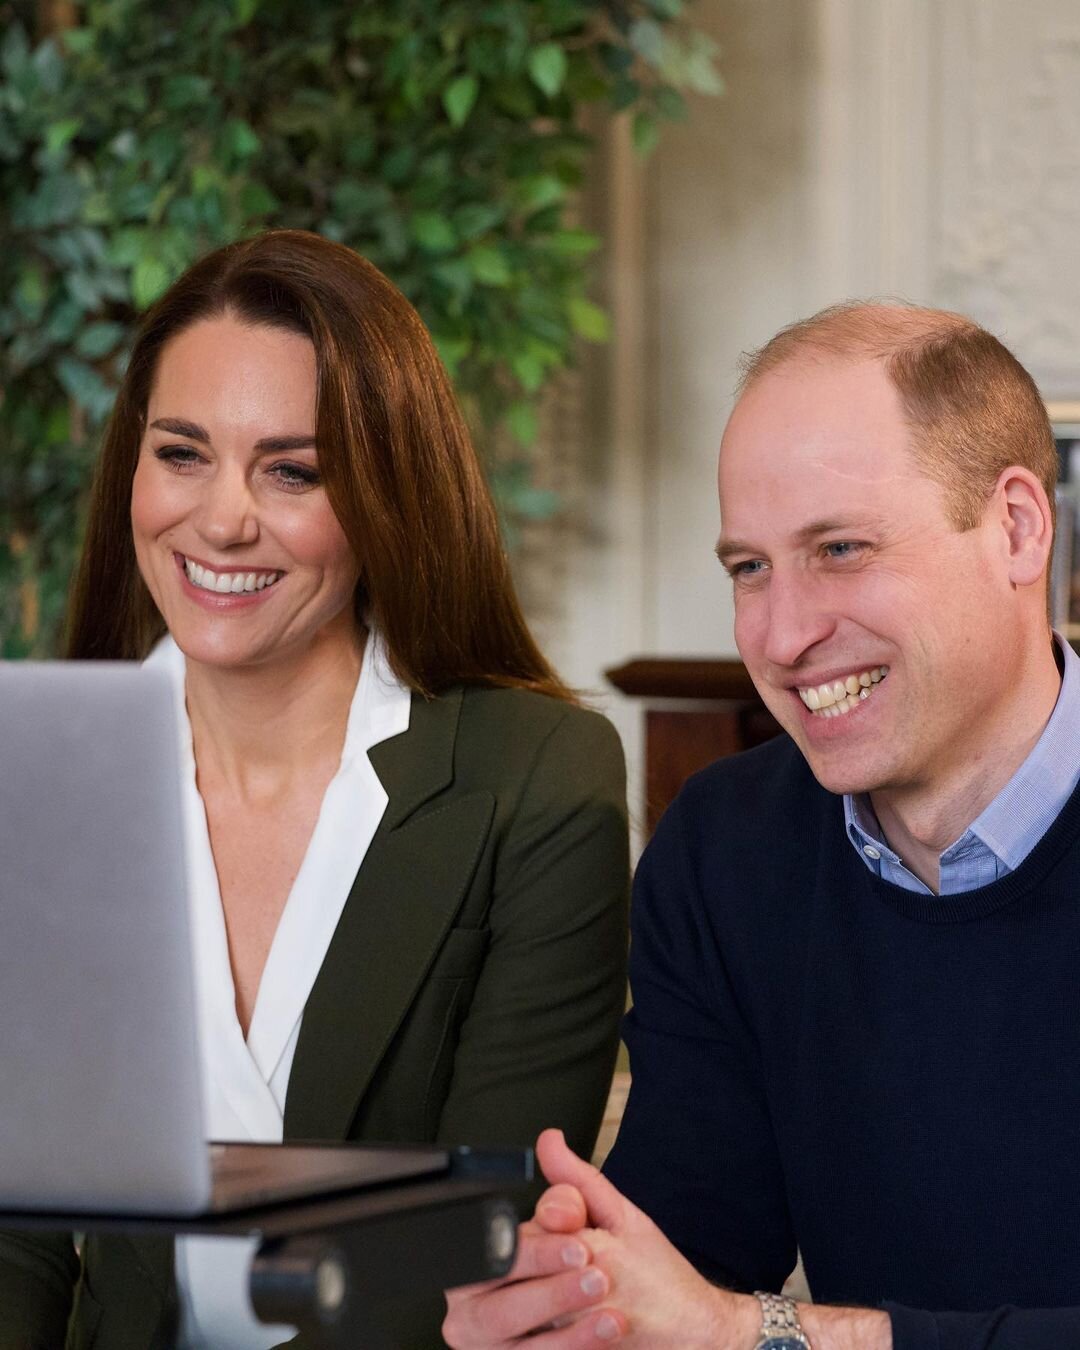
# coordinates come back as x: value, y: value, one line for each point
x: 1028, y: 523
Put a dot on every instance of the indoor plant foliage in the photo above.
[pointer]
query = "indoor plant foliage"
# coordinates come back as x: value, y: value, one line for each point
x: 440, y: 138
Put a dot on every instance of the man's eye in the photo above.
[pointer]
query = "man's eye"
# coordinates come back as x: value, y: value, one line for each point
x: 751, y: 568
x: 842, y: 548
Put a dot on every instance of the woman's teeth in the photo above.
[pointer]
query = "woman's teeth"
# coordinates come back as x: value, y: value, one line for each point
x: 224, y: 583
x: 839, y: 696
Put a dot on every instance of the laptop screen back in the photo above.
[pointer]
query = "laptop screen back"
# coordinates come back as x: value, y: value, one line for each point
x: 99, y: 1074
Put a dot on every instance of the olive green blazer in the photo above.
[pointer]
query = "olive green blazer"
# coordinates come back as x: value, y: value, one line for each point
x: 471, y: 993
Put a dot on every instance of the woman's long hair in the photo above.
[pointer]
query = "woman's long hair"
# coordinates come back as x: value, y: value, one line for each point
x: 400, y: 470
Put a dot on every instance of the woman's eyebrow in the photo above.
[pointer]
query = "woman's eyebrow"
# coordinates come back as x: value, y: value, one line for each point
x: 306, y: 441
x: 180, y: 426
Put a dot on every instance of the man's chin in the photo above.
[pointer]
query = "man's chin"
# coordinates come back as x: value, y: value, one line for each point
x: 840, y: 774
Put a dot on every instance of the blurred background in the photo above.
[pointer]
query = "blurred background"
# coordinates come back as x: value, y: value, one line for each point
x: 596, y: 207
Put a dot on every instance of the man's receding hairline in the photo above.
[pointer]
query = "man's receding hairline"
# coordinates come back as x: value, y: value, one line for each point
x: 850, y: 332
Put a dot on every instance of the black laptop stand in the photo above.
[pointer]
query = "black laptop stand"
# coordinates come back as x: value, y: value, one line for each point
x: 345, y: 1268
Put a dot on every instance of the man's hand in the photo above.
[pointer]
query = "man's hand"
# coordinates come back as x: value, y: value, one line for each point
x: 575, y: 1286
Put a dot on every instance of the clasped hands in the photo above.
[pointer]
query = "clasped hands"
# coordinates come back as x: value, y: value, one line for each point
x: 592, y: 1269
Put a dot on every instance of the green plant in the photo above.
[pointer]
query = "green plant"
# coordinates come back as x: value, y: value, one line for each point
x: 440, y: 138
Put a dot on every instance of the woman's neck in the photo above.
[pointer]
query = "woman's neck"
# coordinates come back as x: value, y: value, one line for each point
x: 255, y: 728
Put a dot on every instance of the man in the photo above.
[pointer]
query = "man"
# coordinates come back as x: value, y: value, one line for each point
x: 856, y: 1022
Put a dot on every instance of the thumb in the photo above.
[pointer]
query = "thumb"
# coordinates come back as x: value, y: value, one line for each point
x: 606, y: 1207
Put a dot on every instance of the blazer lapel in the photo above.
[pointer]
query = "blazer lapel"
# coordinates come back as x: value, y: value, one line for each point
x: 401, y: 905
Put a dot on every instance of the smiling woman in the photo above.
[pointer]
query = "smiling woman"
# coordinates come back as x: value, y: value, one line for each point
x: 406, y: 843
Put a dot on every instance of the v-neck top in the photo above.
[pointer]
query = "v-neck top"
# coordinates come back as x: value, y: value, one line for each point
x: 245, y: 1081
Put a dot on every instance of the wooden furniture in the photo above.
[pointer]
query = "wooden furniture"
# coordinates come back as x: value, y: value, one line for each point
x: 696, y: 710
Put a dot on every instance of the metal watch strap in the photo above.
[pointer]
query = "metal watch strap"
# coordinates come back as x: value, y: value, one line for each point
x: 779, y: 1320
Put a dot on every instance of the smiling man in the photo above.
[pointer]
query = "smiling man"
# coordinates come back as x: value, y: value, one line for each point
x: 856, y: 1018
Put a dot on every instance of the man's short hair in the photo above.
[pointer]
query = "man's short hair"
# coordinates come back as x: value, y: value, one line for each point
x: 972, y: 407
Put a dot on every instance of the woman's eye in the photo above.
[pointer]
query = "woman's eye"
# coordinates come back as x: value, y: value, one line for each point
x: 178, y: 457
x: 295, y: 477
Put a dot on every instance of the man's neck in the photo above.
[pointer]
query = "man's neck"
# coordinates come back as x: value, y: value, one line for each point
x: 920, y: 823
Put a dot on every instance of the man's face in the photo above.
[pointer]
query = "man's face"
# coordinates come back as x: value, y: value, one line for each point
x: 845, y: 565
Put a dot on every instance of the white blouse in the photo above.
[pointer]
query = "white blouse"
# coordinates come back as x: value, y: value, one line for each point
x: 244, y: 1082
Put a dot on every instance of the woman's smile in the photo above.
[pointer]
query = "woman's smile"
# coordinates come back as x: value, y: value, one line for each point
x: 235, y: 536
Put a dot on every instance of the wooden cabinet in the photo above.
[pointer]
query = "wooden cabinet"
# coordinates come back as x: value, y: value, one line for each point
x: 695, y: 711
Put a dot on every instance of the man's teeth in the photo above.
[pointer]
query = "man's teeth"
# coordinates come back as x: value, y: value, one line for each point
x: 225, y: 582
x: 837, y: 697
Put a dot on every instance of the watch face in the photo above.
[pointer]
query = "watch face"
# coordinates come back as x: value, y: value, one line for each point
x: 781, y: 1343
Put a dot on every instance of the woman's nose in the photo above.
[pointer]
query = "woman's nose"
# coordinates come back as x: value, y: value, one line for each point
x: 227, y: 513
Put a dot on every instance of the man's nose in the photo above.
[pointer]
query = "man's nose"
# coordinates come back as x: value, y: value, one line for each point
x: 799, y: 617
x: 227, y: 513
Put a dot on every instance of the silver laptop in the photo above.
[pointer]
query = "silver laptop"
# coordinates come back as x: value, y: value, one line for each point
x: 100, y: 1098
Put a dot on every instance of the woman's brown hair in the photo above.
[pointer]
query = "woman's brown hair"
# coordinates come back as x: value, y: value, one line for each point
x: 394, y: 453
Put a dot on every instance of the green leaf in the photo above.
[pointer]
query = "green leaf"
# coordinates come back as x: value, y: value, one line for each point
x: 14, y: 51
x: 238, y: 140
x: 547, y: 68
x: 127, y: 246
x: 671, y: 104
x: 98, y: 209
x: 455, y: 274
x: 452, y: 350
x: 575, y: 242
x: 458, y: 98
x: 185, y: 91
x: 205, y: 178
x: 30, y: 294
x: 98, y: 340
x: 149, y: 279
x: 647, y: 39
x: 477, y: 218
x: 63, y: 322
x: 646, y: 133
x: 529, y: 369
x: 588, y: 320
x: 244, y: 11
x: 543, y: 190
x: 433, y: 232
x: 666, y: 9
x: 79, y: 41
x: 257, y: 201
x: 84, y: 385
x: 48, y: 65
x: 83, y: 289
x: 59, y: 134
x: 489, y: 266
x: 522, y: 423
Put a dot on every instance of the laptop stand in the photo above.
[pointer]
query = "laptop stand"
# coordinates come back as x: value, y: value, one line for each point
x: 345, y: 1269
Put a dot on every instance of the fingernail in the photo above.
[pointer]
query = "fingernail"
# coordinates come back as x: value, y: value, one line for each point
x: 553, y: 1214
x: 593, y: 1282
x: 606, y: 1328
x: 574, y: 1254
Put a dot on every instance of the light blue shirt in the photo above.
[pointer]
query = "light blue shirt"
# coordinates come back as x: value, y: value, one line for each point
x: 999, y: 839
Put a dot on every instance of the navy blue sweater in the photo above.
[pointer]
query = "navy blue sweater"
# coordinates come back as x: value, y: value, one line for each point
x: 891, y: 1081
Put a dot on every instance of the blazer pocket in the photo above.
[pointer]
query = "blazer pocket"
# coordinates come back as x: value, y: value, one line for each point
x: 461, y: 954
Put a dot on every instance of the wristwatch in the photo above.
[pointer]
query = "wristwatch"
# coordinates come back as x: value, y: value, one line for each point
x: 780, y: 1326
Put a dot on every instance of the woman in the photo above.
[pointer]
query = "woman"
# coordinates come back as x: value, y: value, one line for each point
x: 407, y: 844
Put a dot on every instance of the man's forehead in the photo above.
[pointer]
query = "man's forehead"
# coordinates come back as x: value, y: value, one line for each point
x: 841, y: 419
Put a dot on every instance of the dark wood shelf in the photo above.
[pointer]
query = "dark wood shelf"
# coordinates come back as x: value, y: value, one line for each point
x: 683, y: 677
